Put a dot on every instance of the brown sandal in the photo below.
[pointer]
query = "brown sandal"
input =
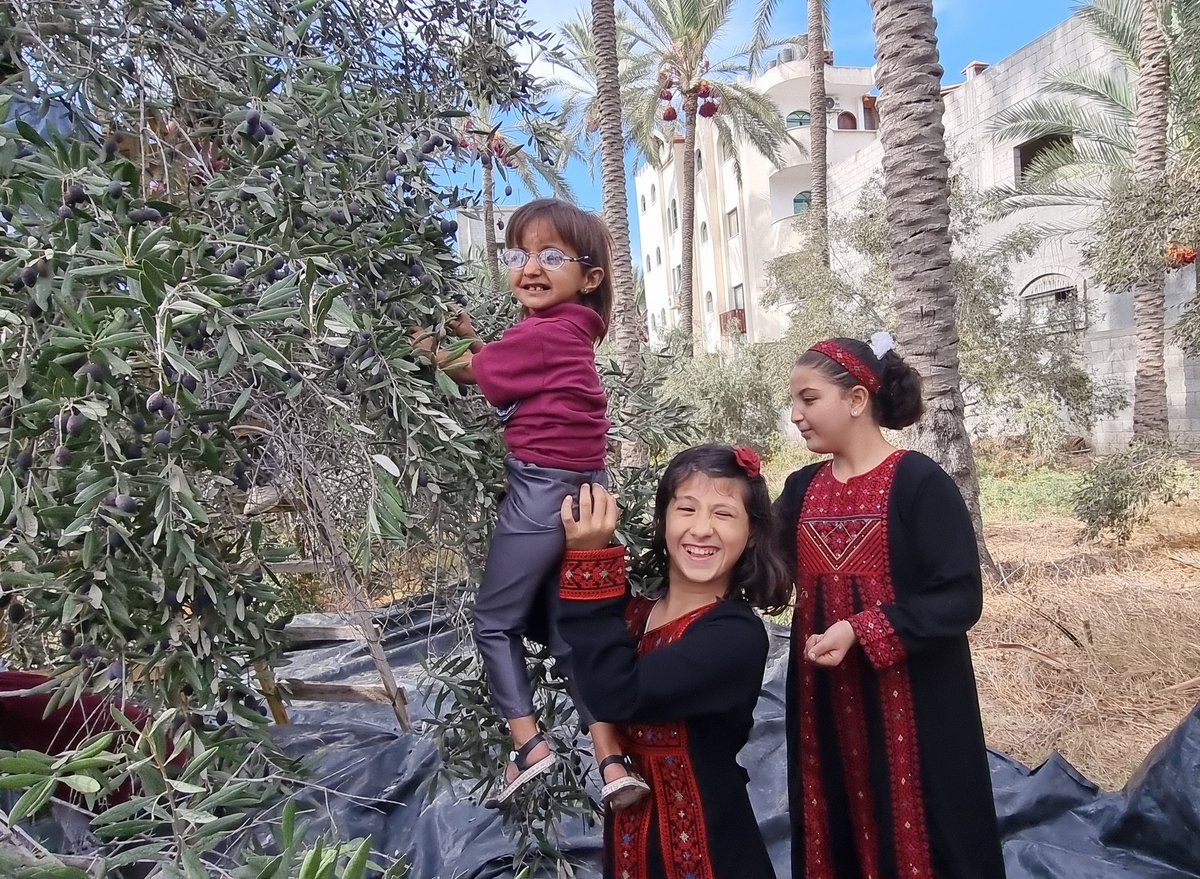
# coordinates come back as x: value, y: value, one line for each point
x: 625, y: 791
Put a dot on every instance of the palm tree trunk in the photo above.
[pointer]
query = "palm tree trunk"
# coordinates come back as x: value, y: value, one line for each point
x: 917, y: 194
x: 612, y: 183
x: 819, y: 130
x: 492, y: 256
x: 687, y: 222
x: 1150, y: 414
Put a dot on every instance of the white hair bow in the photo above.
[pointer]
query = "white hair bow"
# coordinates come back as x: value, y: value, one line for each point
x: 881, y: 343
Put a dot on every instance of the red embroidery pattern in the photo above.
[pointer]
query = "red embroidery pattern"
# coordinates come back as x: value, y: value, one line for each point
x: 848, y: 362
x: 660, y: 753
x: 850, y: 718
x: 879, y: 640
x: 592, y: 575
x: 843, y: 551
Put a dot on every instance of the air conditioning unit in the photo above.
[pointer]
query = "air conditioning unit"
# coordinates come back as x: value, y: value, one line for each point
x: 833, y: 103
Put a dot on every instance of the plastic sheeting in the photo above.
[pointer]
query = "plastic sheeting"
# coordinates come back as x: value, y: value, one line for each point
x: 371, y: 779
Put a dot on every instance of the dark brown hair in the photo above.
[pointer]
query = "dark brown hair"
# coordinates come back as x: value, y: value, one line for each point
x: 585, y: 233
x: 898, y: 402
x: 760, y: 577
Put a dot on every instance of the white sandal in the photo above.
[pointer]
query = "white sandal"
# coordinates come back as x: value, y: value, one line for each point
x: 505, y: 790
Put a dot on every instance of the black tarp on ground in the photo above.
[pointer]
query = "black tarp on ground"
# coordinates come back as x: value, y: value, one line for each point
x: 372, y: 779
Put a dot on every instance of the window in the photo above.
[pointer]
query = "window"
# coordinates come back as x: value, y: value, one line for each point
x: 676, y: 278
x: 1028, y: 153
x: 731, y: 224
x: 658, y: 256
x: 802, y: 202
x: 662, y: 318
x: 738, y: 296
x: 846, y: 121
x: 653, y: 194
x: 673, y: 216
x: 799, y: 119
x: 703, y: 232
x: 647, y: 263
x: 643, y: 204
x: 1051, y: 303
x: 708, y: 302
x: 699, y: 161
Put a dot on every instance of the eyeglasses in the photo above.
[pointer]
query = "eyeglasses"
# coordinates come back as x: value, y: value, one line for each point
x: 551, y: 259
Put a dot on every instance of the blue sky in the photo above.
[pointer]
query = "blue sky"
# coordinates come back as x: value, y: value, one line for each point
x: 968, y: 30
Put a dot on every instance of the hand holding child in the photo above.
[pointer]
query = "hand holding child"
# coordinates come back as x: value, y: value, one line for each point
x: 597, y: 522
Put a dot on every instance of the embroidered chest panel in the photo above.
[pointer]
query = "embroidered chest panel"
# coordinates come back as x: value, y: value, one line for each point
x: 660, y: 753
x: 843, y: 527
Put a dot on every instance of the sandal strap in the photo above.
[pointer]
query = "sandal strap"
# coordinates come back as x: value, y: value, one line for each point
x: 520, y: 755
x: 614, y: 759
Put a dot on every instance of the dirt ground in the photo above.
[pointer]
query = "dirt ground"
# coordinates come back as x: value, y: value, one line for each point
x: 1090, y: 649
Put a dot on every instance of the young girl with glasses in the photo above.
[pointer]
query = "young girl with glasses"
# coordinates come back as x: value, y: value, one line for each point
x: 541, y: 377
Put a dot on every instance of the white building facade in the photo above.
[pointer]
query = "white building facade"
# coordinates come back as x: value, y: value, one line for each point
x: 1053, y: 282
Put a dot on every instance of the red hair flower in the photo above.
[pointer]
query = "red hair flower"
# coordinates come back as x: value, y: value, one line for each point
x: 748, y: 460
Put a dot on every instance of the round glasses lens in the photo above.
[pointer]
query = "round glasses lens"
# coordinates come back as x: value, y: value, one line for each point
x: 552, y: 259
x: 514, y: 259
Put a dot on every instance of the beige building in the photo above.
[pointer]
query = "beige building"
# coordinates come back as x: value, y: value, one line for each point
x: 745, y: 226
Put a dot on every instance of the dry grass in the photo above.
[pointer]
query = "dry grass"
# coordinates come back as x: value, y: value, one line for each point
x: 1088, y: 649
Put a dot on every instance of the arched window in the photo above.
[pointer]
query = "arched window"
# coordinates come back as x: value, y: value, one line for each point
x: 643, y: 204
x: 802, y: 202
x: 699, y: 161
x: 658, y: 256
x: 703, y: 232
x: 708, y: 302
x: 673, y: 216
x: 799, y: 119
x: 647, y: 263
x: 653, y: 193
x: 846, y: 121
x: 662, y: 318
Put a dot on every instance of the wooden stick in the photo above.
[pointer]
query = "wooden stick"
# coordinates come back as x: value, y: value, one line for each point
x: 266, y: 681
x: 343, y: 564
x: 306, y: 634
x: 314, y: 692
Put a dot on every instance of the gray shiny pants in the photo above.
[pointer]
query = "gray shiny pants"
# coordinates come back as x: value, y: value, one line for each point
x: 519, y: 592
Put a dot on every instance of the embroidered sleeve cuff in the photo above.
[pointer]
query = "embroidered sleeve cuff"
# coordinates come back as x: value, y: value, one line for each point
x: 593, y: 575
x: 878, y: 639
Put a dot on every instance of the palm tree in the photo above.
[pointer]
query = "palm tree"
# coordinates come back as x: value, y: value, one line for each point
x: 1108, y: 129
x: 818, y: 22
x: 917, y: 197
x: 672, y: 41
x: 511, y: 148
x: 817, y: 39
x: 1088, y: 117
x: 612, y: 176
x: 1149, y: 162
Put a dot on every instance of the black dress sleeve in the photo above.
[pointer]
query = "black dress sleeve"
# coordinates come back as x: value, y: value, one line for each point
x: 716, y: 665
x: 943, y: 596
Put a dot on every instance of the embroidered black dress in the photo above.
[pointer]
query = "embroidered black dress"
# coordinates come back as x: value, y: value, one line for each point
x: 887, y: 770
x: 683, y: 697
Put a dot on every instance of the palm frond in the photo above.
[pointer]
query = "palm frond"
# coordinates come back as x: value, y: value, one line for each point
x: 1050, y: 117
x: 763, y: 15
x: 1110, y: 91
x: 1117, y: 24
x: 1075, y: 193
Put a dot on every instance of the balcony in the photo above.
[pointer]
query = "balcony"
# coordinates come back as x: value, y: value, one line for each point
x: 733, y: 322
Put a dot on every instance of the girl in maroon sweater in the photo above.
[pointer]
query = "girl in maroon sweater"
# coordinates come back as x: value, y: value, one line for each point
x: 541, y: 377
